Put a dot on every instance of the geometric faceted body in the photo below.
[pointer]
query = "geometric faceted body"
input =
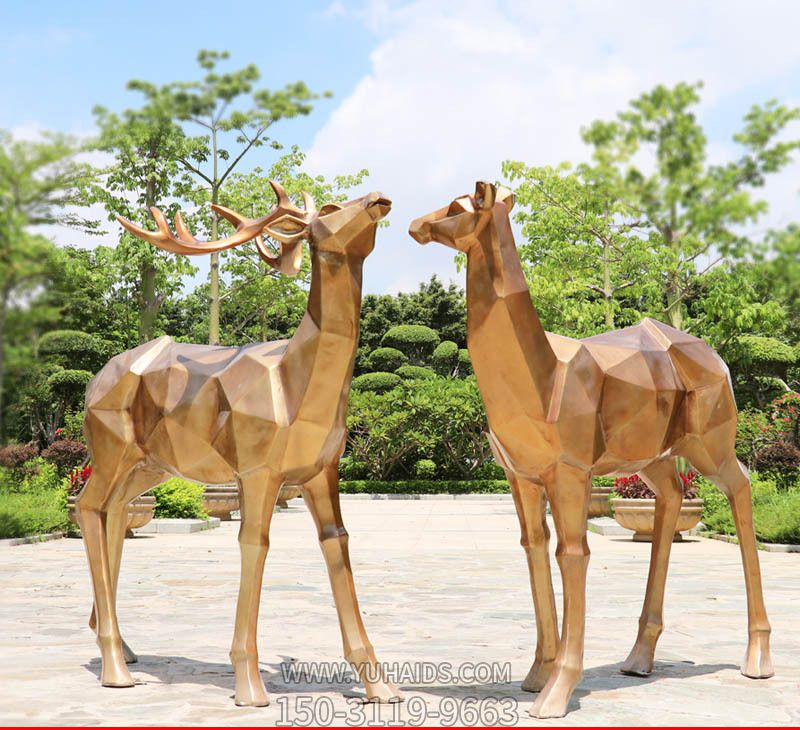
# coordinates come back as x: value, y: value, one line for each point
x: 263, y: 416
x: 561, y: 411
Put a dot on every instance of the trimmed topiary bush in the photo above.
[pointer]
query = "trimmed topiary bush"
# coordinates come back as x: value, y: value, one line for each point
x: 376, y: 382
x: 425, y: 469
x: 766, y: 354
x: 179, y: 498
x: 386, y: 359
x: 14, y: 456
x: 415, y: 340
x: 445, y: 358
x: 415, y: 372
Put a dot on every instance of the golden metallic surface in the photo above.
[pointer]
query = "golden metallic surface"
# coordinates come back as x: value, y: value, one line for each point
x: 561, y: 411
x: 264, y: 416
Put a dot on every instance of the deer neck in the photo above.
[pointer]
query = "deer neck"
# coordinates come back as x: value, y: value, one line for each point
x: 318, y: 364
x: 504, y: 333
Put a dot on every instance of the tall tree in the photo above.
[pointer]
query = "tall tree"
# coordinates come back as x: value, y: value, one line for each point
x: 146, y: 144
x: 586, y: 254
x: 695, y: 210
x: 228, y: 109
x: 41, y: 183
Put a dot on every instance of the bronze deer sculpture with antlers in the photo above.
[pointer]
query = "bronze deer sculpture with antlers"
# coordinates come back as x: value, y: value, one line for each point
x: 562, y: 410
x: 263, y: 415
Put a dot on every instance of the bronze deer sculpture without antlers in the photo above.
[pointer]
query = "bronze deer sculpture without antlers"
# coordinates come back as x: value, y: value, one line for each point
x: 263, y: 415
x: 562, y: 410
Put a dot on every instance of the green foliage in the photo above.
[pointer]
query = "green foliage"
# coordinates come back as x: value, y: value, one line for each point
x: 69, y: 385
x: 781, y: 461
x: 490, y: 470
x: 376, y: 382
x: 415, y: 372
x: 72, y: 349
x: 415, y: 340
x: 33, y: 513
x: 445, y: 358
x: 766, y: 354
x: 40, y: 476
x: 419, y: 486
x: 73, y: 425
x: 386, y: 359
x: 425, y: 469
x: 179, y: 498
x: 350, y: 469
x: 603, y: 481
x: 776, y: 514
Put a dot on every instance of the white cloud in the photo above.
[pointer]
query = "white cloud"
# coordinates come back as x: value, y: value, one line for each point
x: 335, y: 10
x: 454, y: 89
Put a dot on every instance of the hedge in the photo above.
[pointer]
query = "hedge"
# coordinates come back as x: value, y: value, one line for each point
x: 33, y: 513
x: 445, y: 357
x: 425, y: 486
x: 72, y: 348
x: 765, y: 351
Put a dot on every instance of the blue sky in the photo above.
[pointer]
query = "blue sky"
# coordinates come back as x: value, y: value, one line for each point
x: 429, y: 95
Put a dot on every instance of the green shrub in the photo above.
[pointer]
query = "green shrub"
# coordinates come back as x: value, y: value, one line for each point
x: 415, y: 372
x: 464, y: 364
x: 33, y: 513
x: 67, y: 384
x: 445, y: 358
x: 73, y: 425
x: 41, y: 476
x: 753, y: 432
x: 603, y: 481
x: 386, y: 359
x: 764, y: 353
x: 73, y: 349
x: 376, y: 382
x: 490, y: 470
x: 350, y: 468
x: 415, y: 340
x: 425, y: 469
x: 179, y: 498
x: 424, y: 486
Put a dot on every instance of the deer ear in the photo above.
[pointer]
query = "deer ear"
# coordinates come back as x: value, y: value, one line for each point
x: 485, y: 194
x: 287, y: 228
x: 505, y: 196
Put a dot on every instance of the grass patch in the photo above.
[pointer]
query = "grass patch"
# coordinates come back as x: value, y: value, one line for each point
x: 33, y: 513
x: 776, y: 513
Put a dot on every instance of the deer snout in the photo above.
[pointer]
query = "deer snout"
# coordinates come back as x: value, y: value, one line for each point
x: 420, y: 230
x: 378, y: 205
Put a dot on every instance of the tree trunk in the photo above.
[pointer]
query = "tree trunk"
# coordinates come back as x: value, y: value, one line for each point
x: 608, y: 292
x: 148, y: 304
x: 213, y: 307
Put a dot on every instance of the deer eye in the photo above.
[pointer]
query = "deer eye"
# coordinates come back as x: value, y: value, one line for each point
x: 329, y: 208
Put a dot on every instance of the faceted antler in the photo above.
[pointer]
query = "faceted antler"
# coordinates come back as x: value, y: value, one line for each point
x: 288, y: 261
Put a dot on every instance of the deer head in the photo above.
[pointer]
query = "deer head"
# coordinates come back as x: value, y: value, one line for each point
x: 458, y: 224
x: 288, y: 260
x: 346, y: 229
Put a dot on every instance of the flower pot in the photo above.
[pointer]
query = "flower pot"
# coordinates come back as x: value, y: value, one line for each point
x: 220, y: 501
x: 639, y: 515
x: 599, y: 504
x: 288, y: 492
x: 140, y: 512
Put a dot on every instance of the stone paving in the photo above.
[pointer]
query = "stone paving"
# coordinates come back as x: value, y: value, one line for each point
x: 440, y: 581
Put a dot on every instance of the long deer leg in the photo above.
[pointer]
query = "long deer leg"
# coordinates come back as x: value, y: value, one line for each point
x: 137, y: 484
x: 568, y: 490
x: 733, y: 480
x: 530, y: 500
x: 322, y: 497
x: 662, y: 478
x: 92, y: 519
x: 258, y: 493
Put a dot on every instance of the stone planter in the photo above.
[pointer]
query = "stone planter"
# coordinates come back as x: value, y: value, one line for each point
x: 639, y: 515
x: 220, y: 501
x: 599, y: 503
x: 140, y: 512
x: 288, y: 492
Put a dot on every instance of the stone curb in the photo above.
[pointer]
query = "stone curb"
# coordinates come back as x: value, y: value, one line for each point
x: 489, y: 497
x: 610, y: 527
x: 12, y: 541
x: 175, y: 526
x: 767, y: 547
